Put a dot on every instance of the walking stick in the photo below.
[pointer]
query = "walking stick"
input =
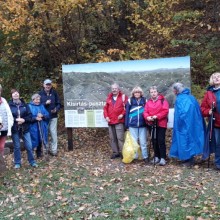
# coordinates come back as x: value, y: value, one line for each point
x: 43, y: 145
x: 149, y: 155
x: 3, y: 167
x: 212, y: 119
x: 154, y: 137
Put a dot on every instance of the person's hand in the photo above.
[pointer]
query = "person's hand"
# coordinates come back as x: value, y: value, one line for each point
x: 54, y: 110
x: 107, y: 119
x: 39, y: 118
x: 39, y: 115
x: 120, y: 116
x: 48, y: 102
x: 210, y: 111
x: 154, y: 117
x: 150, y: 118
x: 20, y: 120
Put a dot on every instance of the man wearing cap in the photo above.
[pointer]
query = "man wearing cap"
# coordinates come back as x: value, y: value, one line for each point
x: 51, y: 101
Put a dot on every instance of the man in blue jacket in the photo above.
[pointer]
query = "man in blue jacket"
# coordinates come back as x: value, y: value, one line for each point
x: 51, y: 101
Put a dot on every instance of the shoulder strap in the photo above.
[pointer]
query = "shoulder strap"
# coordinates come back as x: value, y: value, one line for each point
x: 123, y: 99
x: 162, y: 101
x: 129, y: 101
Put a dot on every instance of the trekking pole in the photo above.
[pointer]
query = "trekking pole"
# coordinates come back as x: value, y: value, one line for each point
x: 154, y: 137
x: 43, y: 145
x: 150, y: 144
x: 3, y: 167
x: 212, y: 119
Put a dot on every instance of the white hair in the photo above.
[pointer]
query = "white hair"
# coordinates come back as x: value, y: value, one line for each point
x: 154, y: 88
x: 211, y: 83
x: 35, y: 96
x: 179, y: 87
x: 115, y: 84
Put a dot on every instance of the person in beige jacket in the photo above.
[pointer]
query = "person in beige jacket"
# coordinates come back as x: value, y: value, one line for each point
x: 6, y: 122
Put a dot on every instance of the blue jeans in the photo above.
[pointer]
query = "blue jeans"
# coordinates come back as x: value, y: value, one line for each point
x: 17, y: 147
x: 217, y: 147
x: 141, y: 134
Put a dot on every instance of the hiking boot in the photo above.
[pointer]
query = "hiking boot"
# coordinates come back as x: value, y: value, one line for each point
x: 34, y: 165
x: 39, y: 155
x: 162, y: 162
x: 53, y: 154
x: 17, y: 166
x: 115, y: 156
x: 188, y: 163
x: 146, y: 161
x: 121, y: 155
x: 155, y: 160
x: 217, y: 167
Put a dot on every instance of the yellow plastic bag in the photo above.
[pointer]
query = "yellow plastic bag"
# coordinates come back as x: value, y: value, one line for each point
x: 131, y: 149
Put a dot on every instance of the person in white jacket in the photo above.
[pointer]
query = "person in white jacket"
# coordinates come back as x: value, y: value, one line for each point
x: 6, y: 122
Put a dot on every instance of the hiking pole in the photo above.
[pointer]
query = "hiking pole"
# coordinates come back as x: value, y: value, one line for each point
x: 43, y: 145
x: 150, y: 144
x: 3, y: 167
x: 138, y: 141
x: 154, y: 137
x: 212, y: 119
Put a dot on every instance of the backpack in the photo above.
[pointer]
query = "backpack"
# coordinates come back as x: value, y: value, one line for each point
x: 162, y: 101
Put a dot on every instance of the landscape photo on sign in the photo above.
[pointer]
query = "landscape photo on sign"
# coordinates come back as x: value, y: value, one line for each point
x: 86, y: 86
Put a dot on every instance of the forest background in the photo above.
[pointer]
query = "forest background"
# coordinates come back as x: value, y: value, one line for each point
x: 38, y: 36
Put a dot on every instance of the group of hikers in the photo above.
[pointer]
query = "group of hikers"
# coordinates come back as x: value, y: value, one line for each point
x: 190, y: 136
x: 30, y: 122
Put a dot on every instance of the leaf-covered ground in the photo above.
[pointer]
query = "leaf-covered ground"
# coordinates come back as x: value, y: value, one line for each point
x: 87, y: 184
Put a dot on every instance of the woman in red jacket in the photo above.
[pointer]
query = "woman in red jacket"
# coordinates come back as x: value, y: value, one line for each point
x: 212, y: 96
x: 157, y: 108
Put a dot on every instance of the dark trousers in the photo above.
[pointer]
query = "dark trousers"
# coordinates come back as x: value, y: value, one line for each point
x: 38, y: 151
x: 159, y: 144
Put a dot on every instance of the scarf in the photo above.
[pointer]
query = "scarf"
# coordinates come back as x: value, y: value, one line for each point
x: 217, y: 95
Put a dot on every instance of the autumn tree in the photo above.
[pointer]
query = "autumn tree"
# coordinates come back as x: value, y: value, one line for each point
x: 37, y: 36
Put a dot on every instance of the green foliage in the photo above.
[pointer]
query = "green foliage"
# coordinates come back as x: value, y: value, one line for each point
x: 187, y: 16
x: 198, y: 91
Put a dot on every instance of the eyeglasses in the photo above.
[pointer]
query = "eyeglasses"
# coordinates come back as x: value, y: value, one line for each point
x: 137, y: 92
x: 216, y: 77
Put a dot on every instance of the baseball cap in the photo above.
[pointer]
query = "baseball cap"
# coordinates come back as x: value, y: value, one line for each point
x: 47, y: 81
